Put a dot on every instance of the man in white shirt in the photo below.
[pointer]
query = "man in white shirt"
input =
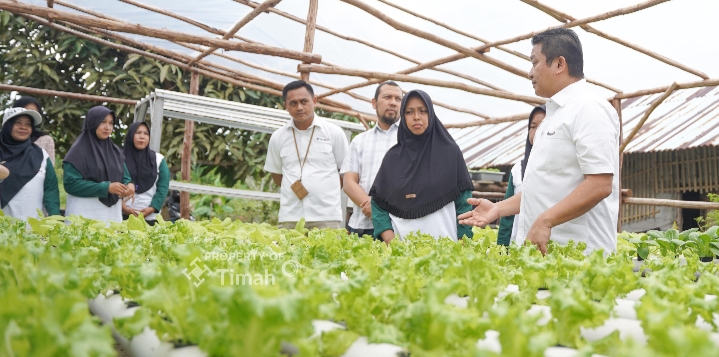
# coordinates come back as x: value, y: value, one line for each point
x: 366, y: 153
x: 304, y: 157
x: 571, y: 184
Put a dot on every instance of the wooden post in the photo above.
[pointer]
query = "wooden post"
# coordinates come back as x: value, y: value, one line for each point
x: 617, y: 104
x: 187, y: 150
x: 310, y: 34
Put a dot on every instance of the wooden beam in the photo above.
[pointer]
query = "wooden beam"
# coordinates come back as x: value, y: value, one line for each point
x: 413, y: 79
x: 369, y: 44
x: 21, y: 8
x: 649, y: 111
x: 70, y: 95
x: 244, y: 21
x: 186, y: 165
x: 310, y: 34
x: 50, y: 3
x: 595, y: 18
x: 454, y: 29
x: 563, y: 17
x: 687, y: 85
x: 670, y: 203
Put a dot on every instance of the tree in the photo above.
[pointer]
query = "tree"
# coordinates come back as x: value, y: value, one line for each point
x: 34, y: 55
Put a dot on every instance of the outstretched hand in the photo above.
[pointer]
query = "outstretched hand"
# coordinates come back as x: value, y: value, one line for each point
x: 485, y: 213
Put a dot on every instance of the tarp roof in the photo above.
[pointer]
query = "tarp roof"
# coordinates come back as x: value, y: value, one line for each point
x: 677, y: 29
x: 688, y: 118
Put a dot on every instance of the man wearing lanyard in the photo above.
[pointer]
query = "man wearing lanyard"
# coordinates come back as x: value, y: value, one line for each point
x: 304, y: 157
x: 366, y: 153
x: 571, y: 184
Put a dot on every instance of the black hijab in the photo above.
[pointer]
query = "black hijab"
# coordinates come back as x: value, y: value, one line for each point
x: 430, y: 166
x: 21, y: 103
x: 97, y: 160
x: 528, y: 145
x: 22, y: 158
x: 142, y: 164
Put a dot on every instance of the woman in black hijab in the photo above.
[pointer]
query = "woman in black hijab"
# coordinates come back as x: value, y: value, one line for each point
x: 40, y: 138
x: 148, y: 171
x: 95, y: 174
x: 507, y: 229
x: 423, y: 183
x: 32, y: 184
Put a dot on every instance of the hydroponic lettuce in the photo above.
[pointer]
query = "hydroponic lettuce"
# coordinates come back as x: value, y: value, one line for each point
x: 237, y: 289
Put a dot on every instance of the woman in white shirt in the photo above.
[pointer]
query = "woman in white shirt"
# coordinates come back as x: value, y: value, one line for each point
x: 31, y: 184
x: 507, y: 231
x: 423, y: 183
x: 95, y: 175
x: 148, y: 171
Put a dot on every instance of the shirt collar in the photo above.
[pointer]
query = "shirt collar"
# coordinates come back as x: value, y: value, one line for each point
x: 567, y: 92
x: 391, y: 127
x: 316, y: 121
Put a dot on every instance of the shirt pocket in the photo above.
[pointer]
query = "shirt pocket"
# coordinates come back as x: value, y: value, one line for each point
x: 559, y: 147
x: 325, y: 156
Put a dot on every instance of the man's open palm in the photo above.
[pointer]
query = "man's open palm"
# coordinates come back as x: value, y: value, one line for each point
x: 485, y: 213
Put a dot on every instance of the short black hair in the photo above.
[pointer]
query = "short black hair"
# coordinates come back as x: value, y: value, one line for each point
x: 385, y: 83
x: 562, y: 42
x: 296, y: 85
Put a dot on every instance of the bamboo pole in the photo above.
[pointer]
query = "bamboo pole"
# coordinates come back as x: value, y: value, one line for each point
x: 669, y: 203
x: 414, y: 31
x: 244, y: 21
x: 595, y: 18
x: 419, y: 80
x: 364, y: 122
x: 369, y: 44
x: 310, y: 34
x: 490, y: 60
x: 175, y: 16
x: 454, y: 29
x: 186, y: 164
x: 463, y: 51
x: 161, y: 11
x: 508, y: 119
x: 206, y: 73
x: 77, y: 96
x: 230, y: 72
x: 649, y: 111
x: 563, y: 17
x: 56, y: 15
x: 325, y: 85
x: 687, y: 85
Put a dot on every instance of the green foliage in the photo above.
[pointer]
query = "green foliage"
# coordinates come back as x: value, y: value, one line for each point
x: 391, y: 294
x: 208, y: 207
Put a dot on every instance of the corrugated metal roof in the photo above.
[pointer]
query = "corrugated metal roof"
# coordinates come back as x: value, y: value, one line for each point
x: 688, y: 118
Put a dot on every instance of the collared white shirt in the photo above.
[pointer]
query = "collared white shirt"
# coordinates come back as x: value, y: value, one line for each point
x: 366, y: 153
x: 579, y: 136
x: 320, y: 173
